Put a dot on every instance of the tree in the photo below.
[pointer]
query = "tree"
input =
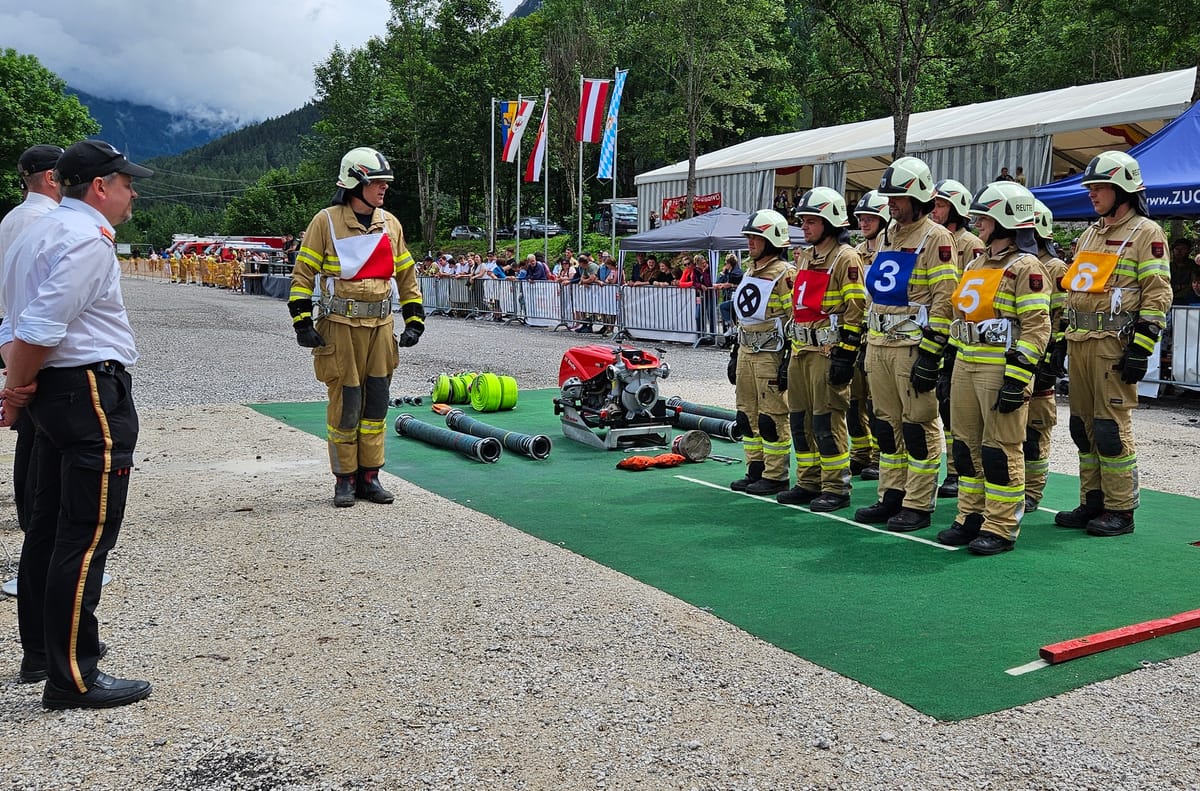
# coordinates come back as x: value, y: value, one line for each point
x: 33, y: 110
x: 280, y: 202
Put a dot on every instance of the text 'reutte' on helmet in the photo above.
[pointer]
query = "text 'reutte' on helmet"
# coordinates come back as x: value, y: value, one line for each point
x: 1006, y: 202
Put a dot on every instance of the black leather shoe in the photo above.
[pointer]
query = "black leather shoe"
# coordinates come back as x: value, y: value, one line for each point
x: 870, y: 473
x: 343, y: 491
x: 1078, y: 518
x: 828, y: 501
x: 369, y: 488
x: 33, y: 673
x: 989, y: 544
x: 1031, y: 504
x: 908, y: 520
x: 1111, y: 523
x: 104, y: 693
x: 767, y: 486
x: 797, y: 495
x: 754, y: 471
x: 883, y: 510
x: 949, y: 488
x: 961, y: 533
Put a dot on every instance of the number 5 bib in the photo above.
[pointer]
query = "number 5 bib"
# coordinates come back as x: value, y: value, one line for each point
x: 976, y: 294
x: 1090, y: 271
x: 887, y: 279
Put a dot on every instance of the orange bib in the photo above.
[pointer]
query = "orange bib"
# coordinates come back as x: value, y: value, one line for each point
x: 975, y: 296
x: 1090, y: 272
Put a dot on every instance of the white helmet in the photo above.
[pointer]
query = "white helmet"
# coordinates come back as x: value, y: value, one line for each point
x: 1006, y: 202
x: 362, y: 166
x: 1116, y: 168
x: 908, y: 176
x: 955, y: 193
x: 824, y: 202
x: 874, y: 203
x: 770, y: 225
x: 1043, y: 220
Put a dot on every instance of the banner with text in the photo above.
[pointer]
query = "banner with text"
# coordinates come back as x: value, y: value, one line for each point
x: 672, y: 208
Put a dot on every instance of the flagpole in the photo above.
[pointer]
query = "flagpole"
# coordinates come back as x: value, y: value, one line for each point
x: 579, y: 203
x: 612, y: 250
x: 492, y: 189
x: 546, y: 176
x: 517, y: 221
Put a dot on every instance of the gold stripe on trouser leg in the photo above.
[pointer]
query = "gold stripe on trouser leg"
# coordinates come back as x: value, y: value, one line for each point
x: 757, y: 390
x: 1042, y: 418
x: 883, y: 379
x: 102, y: 509
x: 752, y: 448
x: 948, y: 438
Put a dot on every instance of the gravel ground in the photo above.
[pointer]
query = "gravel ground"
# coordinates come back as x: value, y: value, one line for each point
x: 424, y: 645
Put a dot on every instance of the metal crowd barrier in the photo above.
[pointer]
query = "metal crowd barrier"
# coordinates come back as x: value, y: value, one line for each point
x: 1183, y: 353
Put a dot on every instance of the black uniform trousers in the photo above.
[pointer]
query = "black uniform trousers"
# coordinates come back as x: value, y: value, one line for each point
x: 86, y: 429
x: 22, y: 468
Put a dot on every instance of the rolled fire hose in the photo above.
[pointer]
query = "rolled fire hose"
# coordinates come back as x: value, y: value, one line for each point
x: 725, y: 429
x: 678, y: 404
x: 485, y: 449
x: 535, y: 447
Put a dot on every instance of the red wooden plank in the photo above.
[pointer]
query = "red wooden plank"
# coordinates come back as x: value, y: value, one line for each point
x: 1121, y: 636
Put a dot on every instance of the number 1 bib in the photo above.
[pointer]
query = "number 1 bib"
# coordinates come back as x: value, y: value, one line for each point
x: 808, y: 295
x: 975, y: 296
x: 887, y: 279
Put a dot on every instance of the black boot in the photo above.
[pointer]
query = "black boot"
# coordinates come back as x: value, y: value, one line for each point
x: 989, y: 544
x: 828, y: 501
x: 870, y: 472
x: 1111, y: 523
x: 961, y: 533
x: 908, y: 520
x: 949, y: 488
x: 887, y: 507
x: 368, y: 487
x: 754, y: 471
x: 797, y: 495
x: 343, y: 491
x: 767, y: 486
x: 1092, y: 507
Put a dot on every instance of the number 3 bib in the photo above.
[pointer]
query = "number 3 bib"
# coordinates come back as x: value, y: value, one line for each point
x: 887, y: 279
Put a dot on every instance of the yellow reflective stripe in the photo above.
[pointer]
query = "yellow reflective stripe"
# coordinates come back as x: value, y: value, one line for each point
x: 752, y: 444
x: 1089, y: 461
x: 838, y: 462
x: 777, y: 448
x: 977, y: 353
x: 1031, y: 352
x: 370, y: 426
x: 1118, y: 463
x: 889, y: 461
x: 300, y: 292
x: 969, y: 485
x: 924, y: 466
x: 1037, y: 466
x: 309, y: 256
x: 341, y: 436
x: 807, y: 459
x: 940, y: 324
x: 404, y: 261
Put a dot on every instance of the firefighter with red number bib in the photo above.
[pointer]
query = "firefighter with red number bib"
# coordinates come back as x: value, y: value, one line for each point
x: 1043, y: 411
x: 826, y: 331
x: 873, y: 217
x: 1118, y: 292
x: 758, y: 363
x: 998, y: 336
x: 354, y: 250
x: 908, y: 323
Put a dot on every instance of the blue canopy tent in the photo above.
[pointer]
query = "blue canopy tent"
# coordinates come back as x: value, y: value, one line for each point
x: 1170, y: 162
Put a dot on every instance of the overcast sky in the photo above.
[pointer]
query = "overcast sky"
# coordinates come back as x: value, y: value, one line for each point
x: 248, y: 59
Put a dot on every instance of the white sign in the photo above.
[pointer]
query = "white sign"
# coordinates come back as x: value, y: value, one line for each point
x: 124, y: 249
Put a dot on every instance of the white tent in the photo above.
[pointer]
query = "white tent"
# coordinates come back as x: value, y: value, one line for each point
x: 1044, y: 133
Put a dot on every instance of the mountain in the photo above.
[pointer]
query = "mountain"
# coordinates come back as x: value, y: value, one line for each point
x: 526, y: 8
x: 143, y: 132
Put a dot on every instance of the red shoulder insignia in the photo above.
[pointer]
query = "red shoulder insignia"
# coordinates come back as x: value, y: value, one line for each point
x: 1035, y: 282
x: 1157, y: 249
x: 852, y: 274
x: 1114, y: 242
x: 1010, y: 274
x: 908, y: 249
x: 107, y: 234
x: 946, y: 253
x: 978, y: 251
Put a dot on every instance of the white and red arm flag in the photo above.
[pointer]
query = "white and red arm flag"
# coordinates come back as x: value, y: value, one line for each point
x: 533, y: 168
x: 592, y: 103
x: 524, y: 110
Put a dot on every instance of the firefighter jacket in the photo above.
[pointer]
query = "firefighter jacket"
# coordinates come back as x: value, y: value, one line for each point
x: 1002, y: 303
x: 318, y: 260
x: 760, y: 318
x: 1119, y: 276
x: 866, y: 250
x: 909, y: 284
x: 968, y: 245
x: 827, y: 295
x: 1055, y: 269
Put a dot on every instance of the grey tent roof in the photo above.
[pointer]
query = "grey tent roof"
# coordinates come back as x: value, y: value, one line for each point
x: 719, y: 229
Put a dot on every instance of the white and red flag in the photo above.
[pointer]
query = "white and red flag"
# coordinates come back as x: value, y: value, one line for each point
x: 513, y: 143
x: 533, y: 168
x: 592, y: 104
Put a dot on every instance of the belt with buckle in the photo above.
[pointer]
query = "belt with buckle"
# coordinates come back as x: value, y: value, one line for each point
x: 1099, y: 322
x: 354, y: 309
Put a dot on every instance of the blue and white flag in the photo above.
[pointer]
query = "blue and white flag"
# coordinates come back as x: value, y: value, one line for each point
x: 608, y: 145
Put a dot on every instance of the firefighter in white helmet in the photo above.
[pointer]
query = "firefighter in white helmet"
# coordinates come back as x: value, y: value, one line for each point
x: 826, y: 331
x: 354, y: 250
x: 908, y: 323
x: 1118, y: 291
x: 759, y: 360
x: 873, y: 216
x: 999, y: 334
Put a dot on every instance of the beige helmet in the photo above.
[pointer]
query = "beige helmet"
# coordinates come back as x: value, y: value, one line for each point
x: 907, y: 176
x: 824, y: 202
x: 1116, y: 168
x: 874, y: 203
x: 1043, y: 220
x: 955, y: 193
x: 1006, y: 202
x: 362, y: 166
x: 770, y: 225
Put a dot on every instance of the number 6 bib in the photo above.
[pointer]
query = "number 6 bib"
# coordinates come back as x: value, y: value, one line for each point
x: 1090, y: 272
x: 887, y: 279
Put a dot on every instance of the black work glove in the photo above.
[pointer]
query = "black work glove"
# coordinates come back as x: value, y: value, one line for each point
x: 781, y: 373
x: 307, y: 335
x: 841, y: 365
x: 731, y: 368
x: 1056, y: 352
x: 1011, y: 396
x: 410, y: 336
x: 924, y: 374
x: 1044, y: 378
x: 1135, y: 363
x: 943, y: 382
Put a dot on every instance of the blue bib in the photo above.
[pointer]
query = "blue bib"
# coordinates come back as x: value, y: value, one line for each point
x: 887, y: 279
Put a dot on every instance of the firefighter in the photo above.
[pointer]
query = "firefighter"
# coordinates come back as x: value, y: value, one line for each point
x: 826, y: 331
x: 353, y: 250
x: 1118, y: 290
x: 951, y: 208
x: 1043, y: 411
x: 873, y: 216
x: 908, y: 323
x: 759, y: 360
x: 998, y: 336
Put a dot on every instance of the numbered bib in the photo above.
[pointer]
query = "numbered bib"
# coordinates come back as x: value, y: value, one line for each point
x: 363, y: 257
x: 887, y: 279
x: 1090, y: 272
x: 975, y: 296
x: 750, y: 298
x: 808, y: 295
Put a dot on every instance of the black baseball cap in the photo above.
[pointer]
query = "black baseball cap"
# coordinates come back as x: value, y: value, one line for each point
x: 87, y: 159
x: 37, y: 159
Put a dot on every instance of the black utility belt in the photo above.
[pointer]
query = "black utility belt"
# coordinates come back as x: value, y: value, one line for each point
x: 108, y: 367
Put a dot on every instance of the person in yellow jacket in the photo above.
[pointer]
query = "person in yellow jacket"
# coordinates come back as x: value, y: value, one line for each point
x: 908, y: 323
x: 758, y: 362
x: 826, y: 331
x: 873, y: 216
x: 1118, y: 292
x: 998, y: 336
x: 354, y: 250
x: 951, y: 208
x: 1043, y: 411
